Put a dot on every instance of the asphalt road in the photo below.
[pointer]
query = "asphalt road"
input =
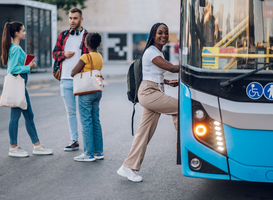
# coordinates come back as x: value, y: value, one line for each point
x: 59, y: 177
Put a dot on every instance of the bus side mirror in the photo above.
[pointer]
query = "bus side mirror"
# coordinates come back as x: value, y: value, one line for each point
x: 202, y: 3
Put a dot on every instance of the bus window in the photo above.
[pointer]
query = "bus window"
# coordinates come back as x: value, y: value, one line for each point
x: 226, y: 35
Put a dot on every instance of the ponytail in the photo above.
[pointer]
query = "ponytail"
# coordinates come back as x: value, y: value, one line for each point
x: 9, y: 32
x: 6, y: 43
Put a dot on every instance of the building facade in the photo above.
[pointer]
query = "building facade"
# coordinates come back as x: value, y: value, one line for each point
x: 125, y: 24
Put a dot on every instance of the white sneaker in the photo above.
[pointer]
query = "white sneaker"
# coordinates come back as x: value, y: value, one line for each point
x: 17, y: 152
x: 84, y: 157
x: 99, y: 156
x: 129, y: 173
x: 42, y: 150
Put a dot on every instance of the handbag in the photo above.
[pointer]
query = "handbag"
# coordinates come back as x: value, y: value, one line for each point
x: 87, y: 82
x: 13, y: 94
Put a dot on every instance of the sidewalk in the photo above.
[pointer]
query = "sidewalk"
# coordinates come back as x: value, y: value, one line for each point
x: 108, y: 70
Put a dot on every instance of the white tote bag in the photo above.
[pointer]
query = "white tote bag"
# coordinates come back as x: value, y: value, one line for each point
x: 13, y: 94
x: 87, y: 82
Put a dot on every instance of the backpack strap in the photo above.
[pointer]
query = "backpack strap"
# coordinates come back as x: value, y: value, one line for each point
x: 91, y: 63
x: 132, y: 122
x: 138, y: 80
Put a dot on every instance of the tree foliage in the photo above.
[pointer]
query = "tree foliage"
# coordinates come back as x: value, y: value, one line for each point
x: 65, y: 4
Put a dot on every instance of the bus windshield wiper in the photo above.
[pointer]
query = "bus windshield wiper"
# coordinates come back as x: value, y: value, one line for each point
x: 232, y: 80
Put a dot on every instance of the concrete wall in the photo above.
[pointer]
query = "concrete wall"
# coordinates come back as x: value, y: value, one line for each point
x: 123, y: 22
x: 127, y: 15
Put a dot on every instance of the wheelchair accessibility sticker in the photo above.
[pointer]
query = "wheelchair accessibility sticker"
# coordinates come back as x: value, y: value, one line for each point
x: 254, y: 90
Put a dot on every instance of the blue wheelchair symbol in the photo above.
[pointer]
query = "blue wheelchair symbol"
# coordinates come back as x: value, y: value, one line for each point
x: 268, y: 91
x: 254, y: 90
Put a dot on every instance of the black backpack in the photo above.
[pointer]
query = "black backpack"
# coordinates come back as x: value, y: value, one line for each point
x: 134, y: 78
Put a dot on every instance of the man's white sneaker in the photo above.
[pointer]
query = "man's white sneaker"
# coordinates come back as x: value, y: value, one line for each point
x: 129, y: 173
x: 17, y: 152
x: 84, y: 157
x: 42, y: 150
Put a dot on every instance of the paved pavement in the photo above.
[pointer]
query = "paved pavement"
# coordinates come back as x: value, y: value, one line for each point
x: 45, y: 75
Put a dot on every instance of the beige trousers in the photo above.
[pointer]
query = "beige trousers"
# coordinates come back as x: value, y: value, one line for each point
x: 154, y: 102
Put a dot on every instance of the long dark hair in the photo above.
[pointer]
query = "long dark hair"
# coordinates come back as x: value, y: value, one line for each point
x: 151, y: 37
x: 150, y: 40
x: 9, y: 32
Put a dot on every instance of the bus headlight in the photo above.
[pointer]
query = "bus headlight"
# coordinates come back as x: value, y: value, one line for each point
x: 200, y: 130
x: 207, y: 130
x: 199, y: 115
x: 196, y: 164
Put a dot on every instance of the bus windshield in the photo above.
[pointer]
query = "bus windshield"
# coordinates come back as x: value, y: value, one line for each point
x: 227, y: 34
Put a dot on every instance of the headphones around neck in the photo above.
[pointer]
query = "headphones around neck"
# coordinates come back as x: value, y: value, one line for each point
x: 72, y: 32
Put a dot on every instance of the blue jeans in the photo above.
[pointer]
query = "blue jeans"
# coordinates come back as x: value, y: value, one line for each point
x: 70, y: 106
x: 15, y: 115
x: 90, y: 122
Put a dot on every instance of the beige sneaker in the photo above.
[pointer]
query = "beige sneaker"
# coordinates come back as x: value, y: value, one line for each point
x: 129, y: 173
x: 42, y: 150
x: 17, y: 152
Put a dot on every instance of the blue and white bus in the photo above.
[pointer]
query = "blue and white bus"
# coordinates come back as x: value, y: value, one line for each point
x: 226, y: 89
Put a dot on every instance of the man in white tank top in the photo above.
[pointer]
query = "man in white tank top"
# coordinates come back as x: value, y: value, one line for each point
x: 68, y: 50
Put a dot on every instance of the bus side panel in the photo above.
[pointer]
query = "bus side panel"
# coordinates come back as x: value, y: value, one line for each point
x: 188, y: 142
x: 251, y: 173
x: 234, y: 178
x: 250, y: 153
x: 249, y: 147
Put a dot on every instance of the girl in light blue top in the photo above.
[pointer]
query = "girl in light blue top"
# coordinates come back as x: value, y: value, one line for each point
x: 13, y: 57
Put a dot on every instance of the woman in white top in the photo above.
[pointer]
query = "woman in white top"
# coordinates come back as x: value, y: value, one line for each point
x: 151, y: 96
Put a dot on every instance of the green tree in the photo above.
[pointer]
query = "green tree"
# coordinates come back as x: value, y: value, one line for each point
x: 65, y: 4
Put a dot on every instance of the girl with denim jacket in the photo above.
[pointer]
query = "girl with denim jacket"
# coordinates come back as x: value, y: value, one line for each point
x: 89, y: 104
x: 13, y: 57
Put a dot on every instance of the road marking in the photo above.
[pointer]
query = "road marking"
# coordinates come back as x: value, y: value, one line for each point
x: 42, y: 94
x: 114, y: 81
x: 37, y: 86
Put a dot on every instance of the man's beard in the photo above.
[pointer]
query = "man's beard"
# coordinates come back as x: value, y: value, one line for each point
x: 77, y: 26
